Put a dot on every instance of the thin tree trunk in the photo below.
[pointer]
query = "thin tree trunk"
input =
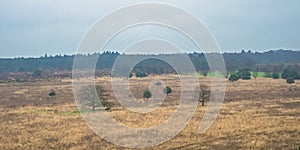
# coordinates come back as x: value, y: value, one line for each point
x: 93, y: 103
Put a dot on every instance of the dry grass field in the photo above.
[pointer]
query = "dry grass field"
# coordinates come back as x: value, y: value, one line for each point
x: 257, y: 114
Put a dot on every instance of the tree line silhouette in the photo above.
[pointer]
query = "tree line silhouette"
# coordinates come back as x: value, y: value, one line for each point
x: 271, y: 61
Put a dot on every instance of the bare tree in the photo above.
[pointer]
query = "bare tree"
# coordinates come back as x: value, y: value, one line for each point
x: 103, y: 94
x: 91, y: 98
x: 204, y: 94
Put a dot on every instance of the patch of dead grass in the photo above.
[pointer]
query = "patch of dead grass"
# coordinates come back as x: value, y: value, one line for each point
x: 263, y: 117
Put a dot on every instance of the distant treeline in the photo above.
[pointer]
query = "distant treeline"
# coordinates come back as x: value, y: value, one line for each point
x: 271, y: 61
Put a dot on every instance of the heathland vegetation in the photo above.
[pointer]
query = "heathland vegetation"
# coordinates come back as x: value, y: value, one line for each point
x: 244, y: 65
x: 259, y: 111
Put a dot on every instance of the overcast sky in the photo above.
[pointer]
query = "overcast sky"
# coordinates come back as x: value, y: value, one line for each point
x: 35, y: 27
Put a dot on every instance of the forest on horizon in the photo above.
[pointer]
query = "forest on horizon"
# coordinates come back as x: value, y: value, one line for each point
x: 271, y: 61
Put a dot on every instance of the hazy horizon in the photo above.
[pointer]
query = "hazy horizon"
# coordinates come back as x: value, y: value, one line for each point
x: 190, y: 52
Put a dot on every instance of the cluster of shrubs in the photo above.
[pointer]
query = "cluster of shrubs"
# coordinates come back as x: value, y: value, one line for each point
x: 290, y: 76
x: 147, y: 93
x: 275, y: 75
x: 245, y: 74
x: 139, y: 74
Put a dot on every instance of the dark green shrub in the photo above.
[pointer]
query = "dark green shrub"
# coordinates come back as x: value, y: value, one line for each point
x: 287, y: 73
x: 275, y: 75
x: 244, y: 74
x: 141, y: 74
x: 147, y: 94
x: 52, y: 93
x: 167, y: 90
x: 233, y: 77
x: 290, y: 80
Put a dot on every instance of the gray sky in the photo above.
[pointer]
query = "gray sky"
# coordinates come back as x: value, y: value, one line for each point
x: 35, y: 27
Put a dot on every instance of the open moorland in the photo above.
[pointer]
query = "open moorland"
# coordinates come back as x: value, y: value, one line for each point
x: 257, y: 114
